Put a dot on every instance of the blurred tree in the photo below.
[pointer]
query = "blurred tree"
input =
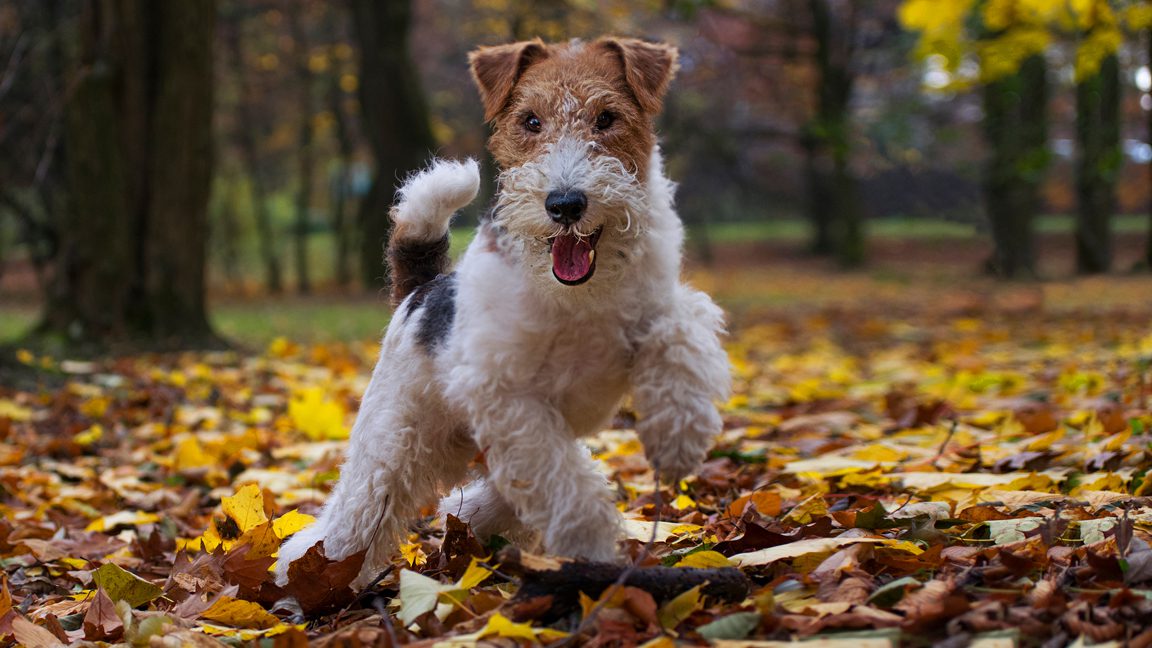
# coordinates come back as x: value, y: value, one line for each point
x: 1098, y: 164
x: 32, y: 89
x: 131, y: 264
x: 833, y: 208
x: 394, y: 116
x: 306, y: 154
x: 1016, y: 126
x: 341, y: 187
x: 1010, y: 38
x: 1097, y: 132
x: 246, y: 132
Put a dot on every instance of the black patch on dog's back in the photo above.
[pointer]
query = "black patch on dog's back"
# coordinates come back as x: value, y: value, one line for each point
x: 438, y: 299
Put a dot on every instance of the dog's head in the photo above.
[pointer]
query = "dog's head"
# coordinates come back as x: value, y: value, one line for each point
x: 572, y: 135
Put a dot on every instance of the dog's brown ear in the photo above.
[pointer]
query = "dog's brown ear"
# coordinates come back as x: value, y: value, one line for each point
x: 497, y: 69
x: 648, y: 68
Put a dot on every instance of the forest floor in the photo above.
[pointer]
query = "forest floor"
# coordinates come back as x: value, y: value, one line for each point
x: 912, y: 456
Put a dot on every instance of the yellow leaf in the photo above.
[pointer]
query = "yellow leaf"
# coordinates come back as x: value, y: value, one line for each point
x: 291, y: 522
x: 875, y: 479
x: 413, y: 554
x: 1117, y: 441
x: 240, y: 614
x: 880, y: 453
x: 261, y: 539
x: 89, y: 436
x: 797, y: 549
x: 246, y: 508
x: 249, y: 634
x: 705, y: 560
x: 680, y: 608
x: 500, y: 626
x: 806, y: 511
x: 190, y: 455
x: 13, y: 412
x: 683, y: 501
x: 128, y: 518
x: 1045, y: 441
x: 316, y: 416
x: 474, y: 575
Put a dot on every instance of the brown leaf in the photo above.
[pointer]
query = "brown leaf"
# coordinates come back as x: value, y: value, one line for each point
x: 459, y: 546
x: 249, y: 574
x: 101, y: 623
x: 33, y: 636
x: 320, y: 584
x: 929, y: 604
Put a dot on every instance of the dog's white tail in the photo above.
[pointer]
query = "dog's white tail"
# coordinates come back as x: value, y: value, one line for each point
x: 418, y: 247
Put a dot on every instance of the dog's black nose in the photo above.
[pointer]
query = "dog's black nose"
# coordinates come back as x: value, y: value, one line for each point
x: 566, y: 207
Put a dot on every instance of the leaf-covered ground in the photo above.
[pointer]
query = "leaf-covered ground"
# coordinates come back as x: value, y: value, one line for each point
x: 899, y: 474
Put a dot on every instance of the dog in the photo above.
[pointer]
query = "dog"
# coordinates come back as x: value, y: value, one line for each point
x: 568, y: 298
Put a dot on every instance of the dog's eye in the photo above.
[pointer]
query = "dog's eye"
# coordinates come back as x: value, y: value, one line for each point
x: 604, y: 120
x: 533, y: 123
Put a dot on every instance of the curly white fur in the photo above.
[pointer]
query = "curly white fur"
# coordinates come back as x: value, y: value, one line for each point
x: 529, y: 366
x: 428, y: 199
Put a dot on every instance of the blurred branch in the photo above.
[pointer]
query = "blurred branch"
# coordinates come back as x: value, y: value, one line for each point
x: 14, y: 60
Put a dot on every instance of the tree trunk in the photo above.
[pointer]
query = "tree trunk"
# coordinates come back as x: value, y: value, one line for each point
x: 394, y: 116
x: 138, y: 133
x: 1015, y: 122
x: 817, y: 194
x: 305, y: 172
x: 341, y: 188
x: 833, y: 208
x: 1148, y: 243
x: 247, y: 128
x: 1097, y: 166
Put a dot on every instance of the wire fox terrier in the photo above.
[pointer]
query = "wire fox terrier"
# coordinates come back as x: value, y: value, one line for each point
x: 568, y: 298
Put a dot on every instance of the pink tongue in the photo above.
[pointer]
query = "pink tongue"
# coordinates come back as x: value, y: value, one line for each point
x: 571, y: 257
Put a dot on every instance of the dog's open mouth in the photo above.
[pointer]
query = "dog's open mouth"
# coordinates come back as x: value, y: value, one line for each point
x: 574, y: 256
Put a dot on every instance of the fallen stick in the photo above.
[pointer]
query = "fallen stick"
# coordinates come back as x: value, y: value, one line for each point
x: 564, y: 580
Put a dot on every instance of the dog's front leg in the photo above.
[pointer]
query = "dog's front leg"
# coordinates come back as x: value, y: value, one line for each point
x: 680, y: 371
x: 548, y: 477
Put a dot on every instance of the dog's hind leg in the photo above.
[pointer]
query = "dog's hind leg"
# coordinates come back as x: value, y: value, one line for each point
x: 392, y: 469
x: 482, y: 507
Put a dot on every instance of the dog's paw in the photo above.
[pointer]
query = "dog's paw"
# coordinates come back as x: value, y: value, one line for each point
x: 294, y: 548
x: 676, y: 446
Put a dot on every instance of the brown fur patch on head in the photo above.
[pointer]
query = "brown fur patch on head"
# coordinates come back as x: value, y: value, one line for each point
x: 649, y: 68
x: 497, y: 69
x: 607, y: 92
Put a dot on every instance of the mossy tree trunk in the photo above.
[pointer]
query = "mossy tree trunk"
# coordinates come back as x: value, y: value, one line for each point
x: 394, y: 116
x: 131, y: 265
x: 1015, y: 122
x: 833, y: 208
x: 1097, y: 165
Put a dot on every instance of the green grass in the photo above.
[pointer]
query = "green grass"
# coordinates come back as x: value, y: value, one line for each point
x: 895, y: 228
x: 15, y: 321
x: 255, y: 323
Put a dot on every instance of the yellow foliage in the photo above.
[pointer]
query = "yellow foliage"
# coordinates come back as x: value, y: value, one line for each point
x: 316, y: 416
